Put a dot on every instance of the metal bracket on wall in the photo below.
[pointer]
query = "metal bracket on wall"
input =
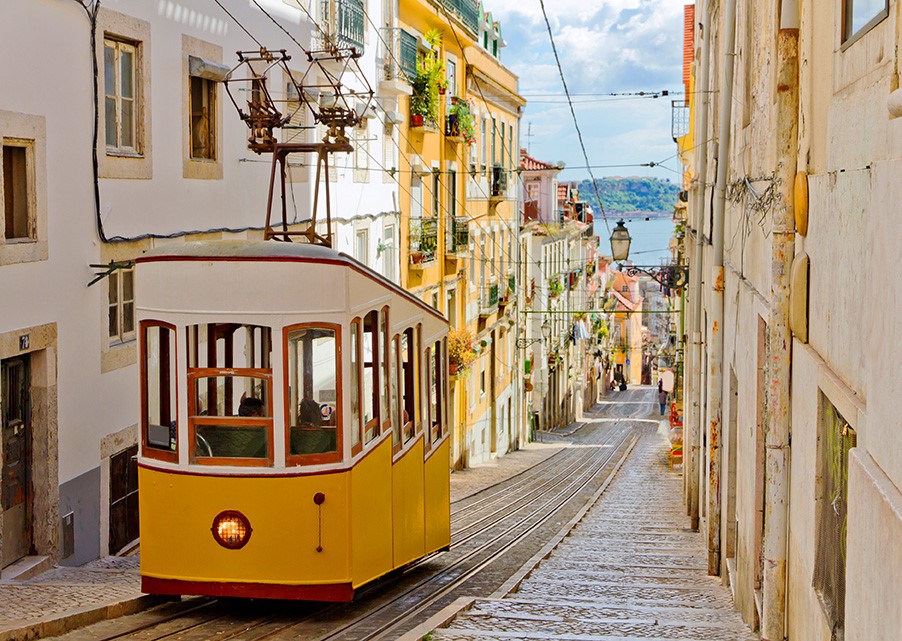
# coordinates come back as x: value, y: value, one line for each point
x: 109, y: 269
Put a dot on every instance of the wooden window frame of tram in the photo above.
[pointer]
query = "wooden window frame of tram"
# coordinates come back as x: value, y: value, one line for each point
x: 385, y: 372
x: 436, y: 428
x: 297, y: 460
x: 360, y: 428
x: 373, y: 423
x: 158, y: 454
x: 411, y: 427
x: 266, y: 375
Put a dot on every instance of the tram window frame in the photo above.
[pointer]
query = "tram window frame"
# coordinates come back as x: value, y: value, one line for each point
x: 371, y: 428
x: 169, y: 455
x: 437, y: 392
x: 356, y: 373
x: 406, y: 383
x: 395, y: 394
x: 384, y: 347
x: 323, y: 457
x: 259, y: 340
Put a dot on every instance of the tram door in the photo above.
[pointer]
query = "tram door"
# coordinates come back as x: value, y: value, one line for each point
x: 15, y: 498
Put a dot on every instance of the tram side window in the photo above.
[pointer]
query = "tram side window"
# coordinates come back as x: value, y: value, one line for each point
x: 159, y: 389
x: 370, y: 377
x: 408, y: 384
x: 230, y: 396
x: 314, y: 404
x: 395, y: 393
x: 384, y: 375
x: 356, y: 424
x: 436, y: 390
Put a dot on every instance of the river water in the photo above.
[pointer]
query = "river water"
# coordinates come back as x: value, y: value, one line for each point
x: 651, y: 238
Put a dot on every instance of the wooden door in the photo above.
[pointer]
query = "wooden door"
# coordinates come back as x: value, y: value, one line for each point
x: 123, y: 499
x: 15, y: 498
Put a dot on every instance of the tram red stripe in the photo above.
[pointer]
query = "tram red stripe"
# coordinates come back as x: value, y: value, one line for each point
x: 333, y: 592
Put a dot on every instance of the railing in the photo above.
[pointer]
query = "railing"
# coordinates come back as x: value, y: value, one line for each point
x: 467, y: 11
x: 679, y: 124
x: 423, y: 240
x: 458, y: 240
x: 399, y: 54
x: 343, y: 24
x: 499, y: 181
x: 488, y: 302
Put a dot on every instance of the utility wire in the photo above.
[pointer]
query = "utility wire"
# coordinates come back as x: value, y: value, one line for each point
x: 579, y: 134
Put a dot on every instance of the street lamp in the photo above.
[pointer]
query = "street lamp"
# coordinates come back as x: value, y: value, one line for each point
x: 523, y: 343
x: 672, y: 276
x: 620, y: 242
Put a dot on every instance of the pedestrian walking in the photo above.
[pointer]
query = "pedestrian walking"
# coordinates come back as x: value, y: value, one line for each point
x: 662, y: 399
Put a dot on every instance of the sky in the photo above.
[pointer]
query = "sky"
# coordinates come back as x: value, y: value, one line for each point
x: 605, y: 46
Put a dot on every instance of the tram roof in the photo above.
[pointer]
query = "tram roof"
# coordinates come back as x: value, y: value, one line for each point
x: 269, y: 250
x: 244, y: 249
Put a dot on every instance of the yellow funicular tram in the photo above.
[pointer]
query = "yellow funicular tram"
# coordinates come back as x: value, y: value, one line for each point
x: 293, y: 409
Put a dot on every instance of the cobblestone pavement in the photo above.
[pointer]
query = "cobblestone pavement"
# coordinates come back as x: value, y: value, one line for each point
x: 629, y: 570
x: 63, y: 598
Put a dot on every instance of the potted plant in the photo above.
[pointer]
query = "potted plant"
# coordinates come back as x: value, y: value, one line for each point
x: 460, y: 351
x: 555, y: 288
x: 419, y: 100
x: 461, y: 120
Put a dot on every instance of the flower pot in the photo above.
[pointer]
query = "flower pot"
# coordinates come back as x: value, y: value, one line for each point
x: 452, y: 369
x: 416, y: 120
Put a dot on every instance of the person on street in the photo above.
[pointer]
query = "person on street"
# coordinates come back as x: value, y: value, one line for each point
x: 662, y: 399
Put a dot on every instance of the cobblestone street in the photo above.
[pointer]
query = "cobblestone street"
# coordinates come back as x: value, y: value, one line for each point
x: 629, y: 570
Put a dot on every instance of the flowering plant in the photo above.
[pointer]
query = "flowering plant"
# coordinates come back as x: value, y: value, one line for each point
x: 460, y: 349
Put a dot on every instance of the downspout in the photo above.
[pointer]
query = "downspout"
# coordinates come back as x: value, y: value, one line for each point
x: 779, y: 337
x: 695, y: 422
x: 715, y: 359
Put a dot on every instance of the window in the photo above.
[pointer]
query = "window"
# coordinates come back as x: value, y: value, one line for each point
x: 494, y: 135
x: 451, y: 68
x: 484, y: 143
x: 18, y: 214
x: 406, y: 383
x: 394, y: 378
x: 203, y: 118
x: 314, y: 399
x: 416, y: 196
x: 120, y: 73
x: 362, y: 246
x: 503, y: 145
x: 230, y: 394
x: 388, y: 253
x: 436, y: 192
x: 384, y: 374
x: 860, y: 15
x: 835, y: 440
x: 361, y: 155
x: 370, y: 376
x: 435, y: 358
x: 122, y: 305
x: 159, y: 413
x: 452, y: 192
x: 356, y: 397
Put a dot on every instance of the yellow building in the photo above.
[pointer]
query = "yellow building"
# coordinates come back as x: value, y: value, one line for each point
x: 458, y: 202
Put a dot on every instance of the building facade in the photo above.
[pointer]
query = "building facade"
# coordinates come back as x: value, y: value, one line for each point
x: 172, y: 165
x: 794, y: 457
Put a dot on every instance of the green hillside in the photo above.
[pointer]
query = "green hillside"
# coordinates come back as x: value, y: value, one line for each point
x: 634, y: 194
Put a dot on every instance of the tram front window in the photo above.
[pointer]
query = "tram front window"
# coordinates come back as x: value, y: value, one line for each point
x: 230, y: 391
x: 313, y: 392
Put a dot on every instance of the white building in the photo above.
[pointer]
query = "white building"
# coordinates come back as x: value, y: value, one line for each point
x: 171, y: 165
x: 794, y: 453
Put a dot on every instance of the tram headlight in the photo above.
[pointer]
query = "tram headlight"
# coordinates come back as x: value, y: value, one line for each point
x: 231, y: 529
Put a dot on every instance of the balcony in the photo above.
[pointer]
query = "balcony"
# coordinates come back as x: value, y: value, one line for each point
x: 458, y: 236
x: 423, y: 241
x: 466, y: 11
x: 511, y: 292
x: 399, y: 61
x: 342, y: 24
x: 488, y: 300
x: 499, y: 182
x: 679, y: 122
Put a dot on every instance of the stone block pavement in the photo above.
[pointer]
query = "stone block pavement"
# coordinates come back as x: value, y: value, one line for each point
x: 629, y: 570
x: 65, y: 598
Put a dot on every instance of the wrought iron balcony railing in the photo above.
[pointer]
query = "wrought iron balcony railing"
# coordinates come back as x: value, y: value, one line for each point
x: 488, y: 302
x: 467, y: 11
x: 458, y: 240
x: 343, y: 24
x: 399, y: 54
x: 679, y: 124
x: 423, y: 240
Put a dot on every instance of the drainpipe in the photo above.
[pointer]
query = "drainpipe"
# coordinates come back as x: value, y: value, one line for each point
x: 695, y: 421
x: 715, y: 359
x: 779, y: 337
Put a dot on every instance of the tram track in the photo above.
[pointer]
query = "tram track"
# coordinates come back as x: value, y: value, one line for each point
x: 532, y: 500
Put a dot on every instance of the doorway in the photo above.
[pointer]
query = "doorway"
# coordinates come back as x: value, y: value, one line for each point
x: 123, y: 499
x: 15, y: 425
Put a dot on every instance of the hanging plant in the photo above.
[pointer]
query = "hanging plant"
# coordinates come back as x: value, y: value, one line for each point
x: 555, y: 288
x: 460, y: 350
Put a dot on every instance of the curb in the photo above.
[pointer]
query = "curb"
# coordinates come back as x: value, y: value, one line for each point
x: 57, y: 624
